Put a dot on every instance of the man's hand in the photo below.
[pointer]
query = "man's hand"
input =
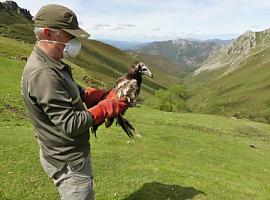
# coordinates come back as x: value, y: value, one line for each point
x: 92, y: 96
x: 108, y: 108
x: 111, y: 95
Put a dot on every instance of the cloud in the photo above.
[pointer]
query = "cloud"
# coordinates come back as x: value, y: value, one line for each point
x: 164, y: 18
x: 117, y: 28
x: 122, y: 27
x: 127, y: 25
x: 254, y: 26
x: 101, y: 26
x: 156, y: 29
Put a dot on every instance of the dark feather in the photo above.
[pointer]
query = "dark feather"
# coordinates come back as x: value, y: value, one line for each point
x: 128, y: 86
x: 125, y: 125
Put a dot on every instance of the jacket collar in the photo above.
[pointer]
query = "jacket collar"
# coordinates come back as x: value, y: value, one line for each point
x: 46, y: 58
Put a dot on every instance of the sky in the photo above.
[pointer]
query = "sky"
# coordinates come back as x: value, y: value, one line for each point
x: 155, y: 20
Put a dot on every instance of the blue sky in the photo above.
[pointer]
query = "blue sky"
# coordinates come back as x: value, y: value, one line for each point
x: 149, y: 20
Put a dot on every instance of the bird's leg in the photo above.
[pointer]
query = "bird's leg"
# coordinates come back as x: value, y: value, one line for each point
x: 108, y: 122
x: 125, y: 125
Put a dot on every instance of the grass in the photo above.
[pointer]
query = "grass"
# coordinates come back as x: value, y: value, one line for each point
x: 243, y: 93
x: 180, y: 156
x: 15, y: 25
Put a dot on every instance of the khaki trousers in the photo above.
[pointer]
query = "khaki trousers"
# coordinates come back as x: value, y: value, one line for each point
x: 73, y: 183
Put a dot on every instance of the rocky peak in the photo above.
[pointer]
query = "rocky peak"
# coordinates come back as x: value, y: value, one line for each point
x: 180, y: 42
x: 242, y: 45
x: 13, y: 6
x: 236, y: 51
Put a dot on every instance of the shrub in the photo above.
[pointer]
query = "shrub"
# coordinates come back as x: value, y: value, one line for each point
x: 173, y: 99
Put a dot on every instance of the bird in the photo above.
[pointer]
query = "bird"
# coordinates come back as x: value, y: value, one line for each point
x: 128, y: 87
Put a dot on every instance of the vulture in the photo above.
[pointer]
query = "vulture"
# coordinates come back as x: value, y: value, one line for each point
x: 128, y: 86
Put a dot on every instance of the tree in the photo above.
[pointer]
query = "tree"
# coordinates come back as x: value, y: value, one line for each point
x: 173, y: 99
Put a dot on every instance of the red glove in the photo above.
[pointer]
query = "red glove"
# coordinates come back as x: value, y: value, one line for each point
x: 108, y: 108
x: 112, y: 94
x: 92, y: 96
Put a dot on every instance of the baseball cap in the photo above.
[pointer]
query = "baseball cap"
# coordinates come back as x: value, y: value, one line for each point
x: 59, y: 17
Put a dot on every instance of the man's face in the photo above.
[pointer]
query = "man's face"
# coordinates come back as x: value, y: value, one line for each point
x: 63, y: 37
x: 59, y: 36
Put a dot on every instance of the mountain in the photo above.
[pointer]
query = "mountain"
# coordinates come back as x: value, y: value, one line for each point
x: 16, y: 22
x: 236, y: 51
x: 98, y: 64
x: 124, y: 45
x: 235, y: 80
x: 188, y: 53
x: 166, y: 70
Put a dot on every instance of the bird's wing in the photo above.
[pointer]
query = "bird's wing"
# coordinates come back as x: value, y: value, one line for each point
x: 127, y: 89
x: 121, y: 79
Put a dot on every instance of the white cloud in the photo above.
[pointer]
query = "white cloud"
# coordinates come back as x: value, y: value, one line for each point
x: 140, y: 19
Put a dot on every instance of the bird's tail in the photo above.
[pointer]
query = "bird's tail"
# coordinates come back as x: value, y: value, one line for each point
x: 125, y: 125
x: 94, y: 130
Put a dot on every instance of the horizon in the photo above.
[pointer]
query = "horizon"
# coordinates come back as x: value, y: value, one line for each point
x: 159, y: 20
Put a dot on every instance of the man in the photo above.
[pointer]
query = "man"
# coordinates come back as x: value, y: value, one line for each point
x: 55, y: 103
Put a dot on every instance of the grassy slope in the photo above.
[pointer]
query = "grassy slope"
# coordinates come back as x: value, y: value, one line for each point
x: 100, y: 61
x: 14, y: 25
x: 108, y: 63
x: 180, y: 156
x: 103, y: 61
x: 243, y: 93
x: 166, y: 71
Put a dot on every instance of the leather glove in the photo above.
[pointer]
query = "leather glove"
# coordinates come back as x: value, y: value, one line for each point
x: 108, y: 108
x: 112, y: 94
x: 92, y: 96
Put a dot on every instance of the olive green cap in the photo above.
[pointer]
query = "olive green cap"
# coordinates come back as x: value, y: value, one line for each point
x: 59, y: 17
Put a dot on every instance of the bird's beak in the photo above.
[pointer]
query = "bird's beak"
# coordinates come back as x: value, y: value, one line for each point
x: 148, y: 73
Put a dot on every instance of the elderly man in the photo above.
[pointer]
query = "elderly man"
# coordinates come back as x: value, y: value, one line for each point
x: 55, y: 103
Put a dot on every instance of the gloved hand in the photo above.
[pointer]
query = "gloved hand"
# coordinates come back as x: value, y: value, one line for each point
x: 108, y: 108
x: 112, y: 94
x: 92, y: 96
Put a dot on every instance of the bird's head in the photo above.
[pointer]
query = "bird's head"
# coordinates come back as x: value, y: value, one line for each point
x: 139, y: 68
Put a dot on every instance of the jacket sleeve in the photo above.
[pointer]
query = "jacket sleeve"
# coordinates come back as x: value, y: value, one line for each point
x: 81, y: 91
x: 49, y: 91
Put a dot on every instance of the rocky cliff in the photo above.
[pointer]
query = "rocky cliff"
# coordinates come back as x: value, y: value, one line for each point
x: 12, y: 6
x: 237, y: 51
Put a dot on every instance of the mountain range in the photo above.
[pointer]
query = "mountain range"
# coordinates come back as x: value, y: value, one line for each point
x: 188, y: 53
x: 235, y: 80
x: 101, y: 63
x: 222, y: 77
x: 124, y: 45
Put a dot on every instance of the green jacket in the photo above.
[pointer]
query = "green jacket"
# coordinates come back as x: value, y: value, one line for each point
x: 56, y: 110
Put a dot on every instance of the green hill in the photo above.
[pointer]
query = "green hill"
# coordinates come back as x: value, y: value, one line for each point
x: 189, y: 54
x: 166, y: 71
x: 180, y: 156
x: 102, y: 63
x: 235, y: 81
x: 15, y: 22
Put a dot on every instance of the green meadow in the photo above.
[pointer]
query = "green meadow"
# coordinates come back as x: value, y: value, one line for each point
x: 179, y: 156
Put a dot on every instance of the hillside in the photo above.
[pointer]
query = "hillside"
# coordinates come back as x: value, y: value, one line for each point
x: 102, y: 63
x: 166, y: 70
x: 16, y: 22
x: 187, y: 53
x: 170, y: 161
x: 180, y: 156
x: 235, y: 81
